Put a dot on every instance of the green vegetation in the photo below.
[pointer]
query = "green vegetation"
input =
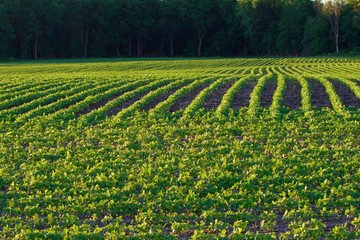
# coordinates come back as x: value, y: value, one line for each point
x: 222, y: 148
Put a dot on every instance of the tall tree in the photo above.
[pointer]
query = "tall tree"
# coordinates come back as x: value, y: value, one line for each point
x: 332, y: 9
x: 260, y: 18
x: 291, y: 26
x: 170, y: 21
x: 117, y: 27
x: 140, y: 18
x: 226, y: 36
x: 202, y: 16
x: 355, y: 4
x: 20, y: 22
x: 316, y: 39
x: 106, y: 28
x: 5, y: 30
x: 71, y: 33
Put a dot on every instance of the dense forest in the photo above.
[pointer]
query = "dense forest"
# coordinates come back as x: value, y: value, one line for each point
x: 155, y: 28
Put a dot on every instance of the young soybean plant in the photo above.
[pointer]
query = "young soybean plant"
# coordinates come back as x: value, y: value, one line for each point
x: 199, y: 100
x: 151, y: 96
x: 278, y: 96
x: 353, y: 87
x: 256, y: 94
x: 334, y: 98
x: 164, y: 106
x: 305, y: 93
x: 228, y: 98
x: 100, y: 113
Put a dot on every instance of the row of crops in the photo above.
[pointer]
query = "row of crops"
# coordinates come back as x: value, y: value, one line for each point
x: 228, y: 148
x: 184, y: 66
x: 91, y: 100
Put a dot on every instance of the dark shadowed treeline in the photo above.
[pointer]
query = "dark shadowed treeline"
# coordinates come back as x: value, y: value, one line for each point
x: 119, y: 28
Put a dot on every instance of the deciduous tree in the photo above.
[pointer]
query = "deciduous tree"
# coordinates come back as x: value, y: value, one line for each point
x: 332, y: 9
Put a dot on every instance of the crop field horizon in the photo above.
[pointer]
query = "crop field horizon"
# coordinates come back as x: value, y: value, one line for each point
x: 265, y: 148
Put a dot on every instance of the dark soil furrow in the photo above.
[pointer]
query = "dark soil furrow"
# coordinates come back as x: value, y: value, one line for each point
x: 126, y: 104
x: 214, y: 100
x: 185, y: 101
x: 159, y: 99
x: 346, y: 95
x: 132, y: 100
x: 242, y: 98
x: 97, y: 105
x: 292, y: 95
x: 268, y: 93
x: 357, y: 82
x: 104, y: 101
x: 319, y: 97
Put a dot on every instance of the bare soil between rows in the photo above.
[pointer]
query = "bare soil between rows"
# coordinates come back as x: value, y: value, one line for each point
x: 242, y: 98
x: 97, y: 105
x: 347, y: 96
x: 214, y: 100
x: 268, y: 93
x: 160, y: 99
x: 319, y: 97
x: 102, y: 102
x: 292, y: 95
x: 186, y: 100
x: 127, y: 103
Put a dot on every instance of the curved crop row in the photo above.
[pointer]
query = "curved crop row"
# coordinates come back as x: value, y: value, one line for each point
x: 199, y: 100
x: 305, y: 92
x: 36, y: 89
x: 49, y: 97
x: 100, y: 113
x: 334, y: 98
x: 165, y: 106
x: 151, y: 96
x: 278, y: 96
x: 64, y: 103
x: 71, y: 112
x: 294, y: 69
x: 228, y: 98
x: 23, y: 86
x: 30, y: 95
x: 256, y: 94
x: 353, y: 86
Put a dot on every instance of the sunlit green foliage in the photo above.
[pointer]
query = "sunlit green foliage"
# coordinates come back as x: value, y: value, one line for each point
x: 68, y: 168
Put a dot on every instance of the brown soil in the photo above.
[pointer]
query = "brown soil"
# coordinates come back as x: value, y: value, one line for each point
x: 292, y: 95
x: 97, y: 105
x: 214, y: 100
x: 242, y: 98
x: 126, y: 104
x: 102, y: 102
x: 159, y: 99
x: 185, y: 101
x: 130, y: 102
x: 268, y: 93
x: 318, y: 93
x: 346, y: 95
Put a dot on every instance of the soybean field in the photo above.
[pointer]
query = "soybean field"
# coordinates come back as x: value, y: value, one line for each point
x: 265, y: 148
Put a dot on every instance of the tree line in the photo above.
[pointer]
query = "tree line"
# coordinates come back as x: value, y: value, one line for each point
x: 154, y: 28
